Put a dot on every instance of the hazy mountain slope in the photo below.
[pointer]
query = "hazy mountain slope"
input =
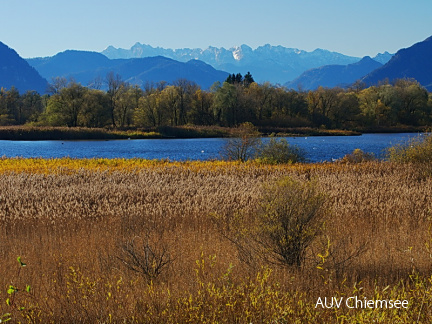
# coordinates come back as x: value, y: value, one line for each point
x: 86, y: 67
x: 276, y: 64
x: 334, y: 75
x: 15, y: 71
x: 69, y: 62
x: 413, y: 62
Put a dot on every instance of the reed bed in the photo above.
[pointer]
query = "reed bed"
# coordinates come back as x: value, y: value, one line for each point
x: 80, y: 225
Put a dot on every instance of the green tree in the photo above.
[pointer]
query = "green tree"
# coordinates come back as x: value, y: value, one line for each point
x: 377, y: 105
x: 95, y: 111
x: 235, y: 78
x: 33, y: 106
x: 65, y: 107
x: 14, y: 106
x: 6, y: 117
x: 248, y: 80
x: 227, y: 105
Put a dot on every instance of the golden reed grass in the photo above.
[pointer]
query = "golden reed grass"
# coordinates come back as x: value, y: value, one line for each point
x: 70, y: 220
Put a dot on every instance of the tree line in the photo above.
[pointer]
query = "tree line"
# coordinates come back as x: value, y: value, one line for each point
x: 237, y: 100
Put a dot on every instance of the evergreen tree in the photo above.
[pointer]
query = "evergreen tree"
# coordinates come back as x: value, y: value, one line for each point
x: 248, y: 80
x: 238, y: 78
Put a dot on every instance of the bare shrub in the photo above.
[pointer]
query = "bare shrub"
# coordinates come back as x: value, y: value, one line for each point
x: 244, y: 146
x: 147, y: 259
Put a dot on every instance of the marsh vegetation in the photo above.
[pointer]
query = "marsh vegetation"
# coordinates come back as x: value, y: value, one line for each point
x: 169, y: 242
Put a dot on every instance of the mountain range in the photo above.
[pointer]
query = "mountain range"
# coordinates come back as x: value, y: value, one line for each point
x: 276, y: 64
x: 86, y: 67
x: 334, y: 75
x: 412, y: 62
x: 16, y: 72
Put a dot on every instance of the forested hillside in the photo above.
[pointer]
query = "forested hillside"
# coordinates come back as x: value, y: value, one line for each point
x: 16, y: 72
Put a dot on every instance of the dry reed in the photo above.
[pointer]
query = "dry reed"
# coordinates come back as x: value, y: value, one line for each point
x: 68, y: 220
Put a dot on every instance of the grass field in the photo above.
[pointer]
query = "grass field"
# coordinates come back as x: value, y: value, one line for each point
x: 137, y: 241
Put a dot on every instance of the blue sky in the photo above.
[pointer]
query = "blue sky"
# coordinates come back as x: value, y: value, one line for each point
x: 352, y: 27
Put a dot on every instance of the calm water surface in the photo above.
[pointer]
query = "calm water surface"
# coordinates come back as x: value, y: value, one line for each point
x: 320, y: 148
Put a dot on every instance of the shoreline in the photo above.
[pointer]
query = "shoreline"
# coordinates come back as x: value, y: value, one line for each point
x: 34, y: 133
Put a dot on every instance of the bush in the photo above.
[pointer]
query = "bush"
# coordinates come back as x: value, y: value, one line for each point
x: 357, y: 156
x: 417, y: 150
x: 290, y: 218
x: 280, y: 151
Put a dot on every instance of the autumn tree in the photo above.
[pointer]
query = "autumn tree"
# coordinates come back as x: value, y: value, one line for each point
x: 115, y: 88
x: 261, y: 98
x: 150, y: 111
x: 127, y: 102
x: 170, y: 104
x: 412, y: 98
x: 347, y: 111
x: 185, y: 90
x: 201, y: 108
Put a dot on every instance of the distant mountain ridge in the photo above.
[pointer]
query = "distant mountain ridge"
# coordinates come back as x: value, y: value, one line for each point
x: 86, y: 67
x: 334, y: 75
x: 383, y: 58
x: 412, y: 62
x: 16, y: 72
x: 276, y: 64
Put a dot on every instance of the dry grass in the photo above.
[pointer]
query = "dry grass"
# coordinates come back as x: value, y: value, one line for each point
x: 70, y: 221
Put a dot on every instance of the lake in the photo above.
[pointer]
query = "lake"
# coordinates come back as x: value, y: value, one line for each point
x: 319, y: 148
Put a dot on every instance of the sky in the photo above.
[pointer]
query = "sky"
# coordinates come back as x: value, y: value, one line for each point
x: 352, y: 27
